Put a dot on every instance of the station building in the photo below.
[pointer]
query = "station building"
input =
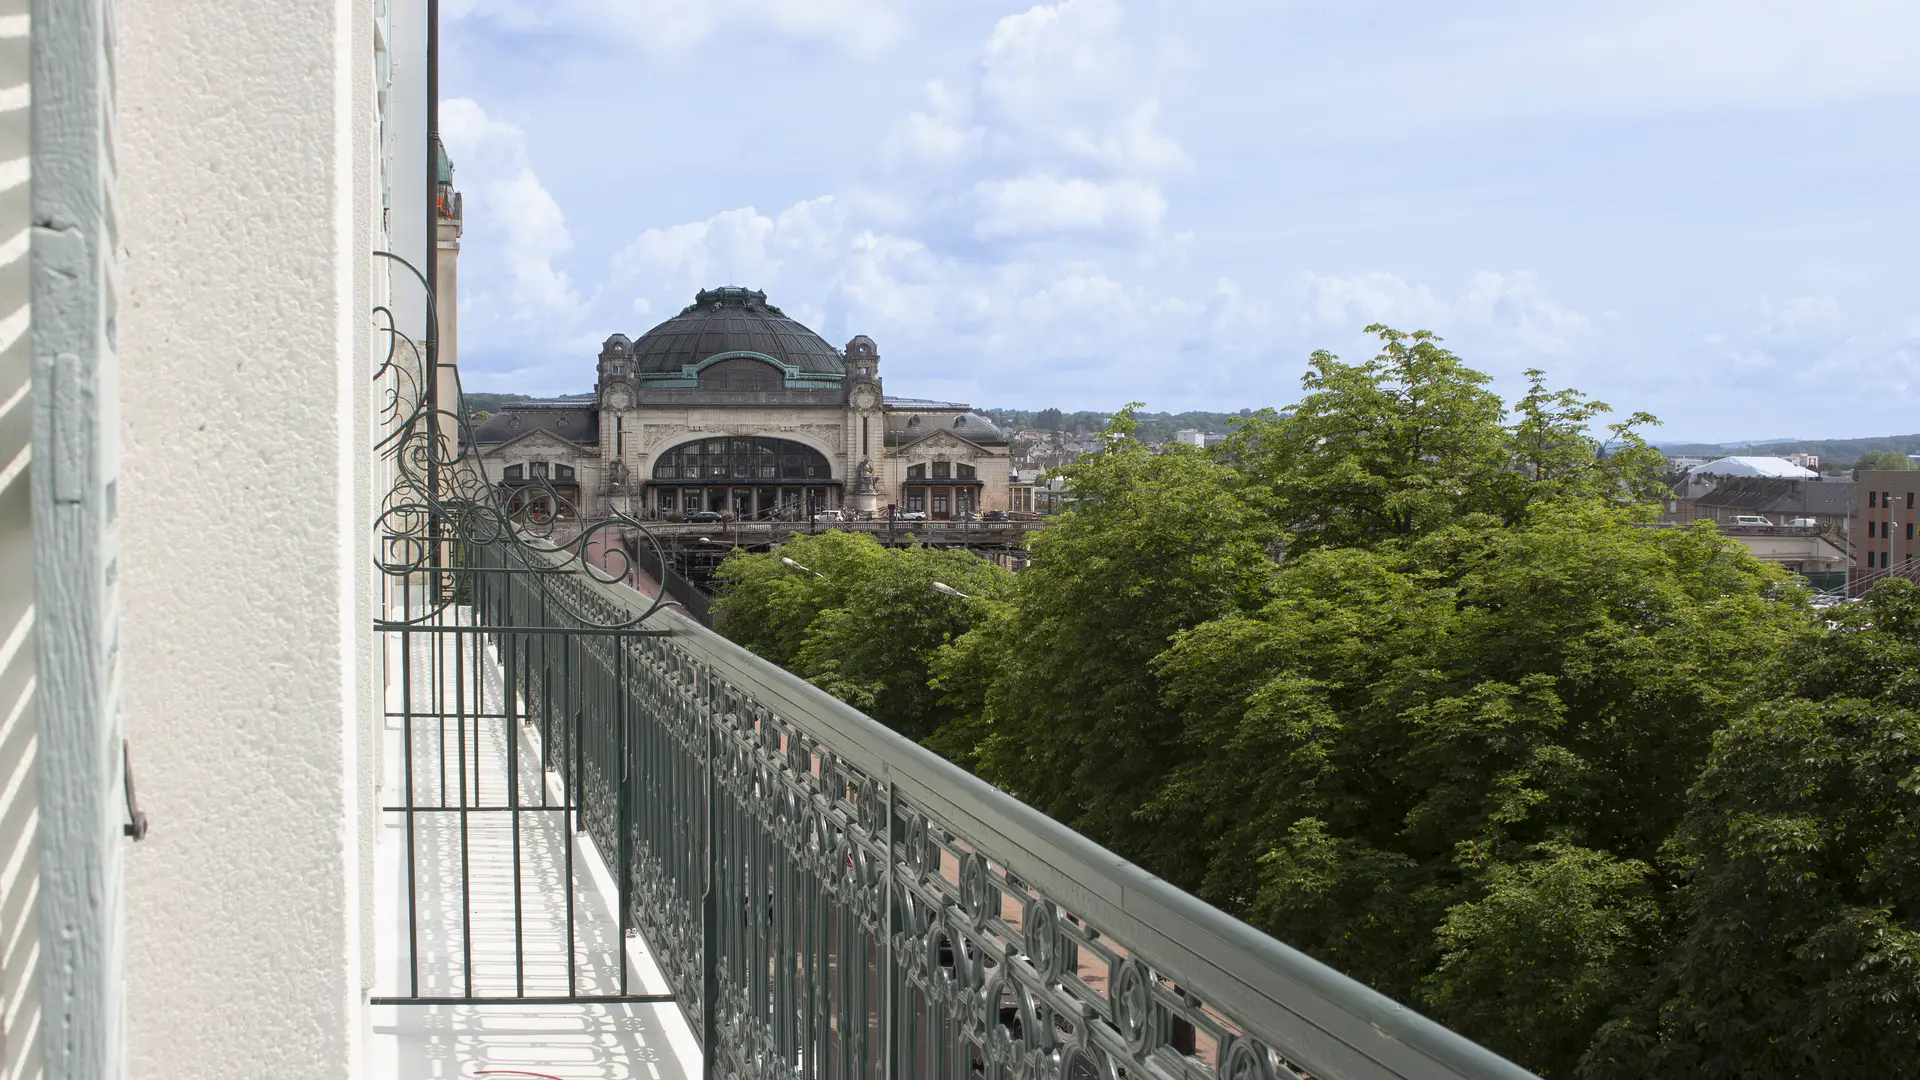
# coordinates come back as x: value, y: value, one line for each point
x: 731, y: 406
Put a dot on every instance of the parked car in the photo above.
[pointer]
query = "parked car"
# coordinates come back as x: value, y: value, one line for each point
x: 1750, y: 519
x: 704, y: 515
x: 994, y: 515
x: 1803, y: 523
x: 910, y: 515
x: 833, y: 515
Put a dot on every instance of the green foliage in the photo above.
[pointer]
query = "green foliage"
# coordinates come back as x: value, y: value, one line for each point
x: 1401, y: 676
x: 1413, y: 439
x: 1410, y: 741
x: 1883, y: 461
x: 1155, y: 544
x: 1801, y: 951
x: 865, y: 624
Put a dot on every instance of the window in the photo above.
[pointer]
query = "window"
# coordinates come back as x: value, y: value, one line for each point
x: 742, y: 459
x: 913, y: 421
x: 619, y: 368
x: 1909, y: 530
x: 1886, y: 498
x: 1869, y: 560
x: 960, y: 421
x: 916, y: 502
x: 942, y: 470
x: 666, y: 500
x: 963, y: 472
x: 1870, y: 528
x: 918, y: 472
x: 1909, y: 500
x: 513, y: 472
x: 563, y: 472
x: 539, y: 470
x: 863, y: 439
x: 1873, y: 498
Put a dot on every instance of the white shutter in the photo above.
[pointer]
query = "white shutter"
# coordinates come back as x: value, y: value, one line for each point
x: 19, y: 791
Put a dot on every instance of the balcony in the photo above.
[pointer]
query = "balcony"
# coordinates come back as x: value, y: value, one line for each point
x: 614, y: 837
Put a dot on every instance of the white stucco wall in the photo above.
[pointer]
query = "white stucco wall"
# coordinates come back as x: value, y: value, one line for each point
x: 245, y: 370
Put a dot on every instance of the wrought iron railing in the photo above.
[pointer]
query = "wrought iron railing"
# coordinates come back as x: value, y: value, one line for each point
x: 829, y: 899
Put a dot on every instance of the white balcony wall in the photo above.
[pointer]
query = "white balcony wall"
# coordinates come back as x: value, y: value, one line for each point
x: 249, y: 205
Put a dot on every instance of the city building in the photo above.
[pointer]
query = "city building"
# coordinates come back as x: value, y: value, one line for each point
x: 733, y: 407
x: 1190, y: 437
x: 1882, y: 525
x: 1827, y: 502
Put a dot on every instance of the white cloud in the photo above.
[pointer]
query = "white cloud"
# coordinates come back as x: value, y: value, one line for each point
x: 859, y: 26
x: 516, y: 231
x: 1040, y: 206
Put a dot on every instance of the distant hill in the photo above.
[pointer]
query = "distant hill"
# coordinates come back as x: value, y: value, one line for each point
x: 1154, y: 427
x: 492, y: 403
x: 1832, y: 452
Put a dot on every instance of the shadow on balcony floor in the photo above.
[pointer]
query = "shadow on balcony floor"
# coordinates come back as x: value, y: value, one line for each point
x: 495, y: 922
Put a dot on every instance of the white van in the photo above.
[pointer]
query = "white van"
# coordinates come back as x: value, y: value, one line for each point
x: 1750, y: 519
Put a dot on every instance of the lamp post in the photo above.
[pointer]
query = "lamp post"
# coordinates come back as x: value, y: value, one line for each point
x: 791, y: 565
x: 945, y: 589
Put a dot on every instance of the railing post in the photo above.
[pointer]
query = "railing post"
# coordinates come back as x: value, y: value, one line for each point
x: 889, y: 978
x: 709, y: 925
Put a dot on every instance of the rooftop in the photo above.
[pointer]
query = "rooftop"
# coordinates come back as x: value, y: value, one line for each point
x: 1753, y: 466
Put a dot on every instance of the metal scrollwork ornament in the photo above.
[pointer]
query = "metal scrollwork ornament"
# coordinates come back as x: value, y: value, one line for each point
x: 1040, y: 931
x: 1133, y: 1007
x: 441, y: 506
x: 1245, y: 1060
x: 976, y: 889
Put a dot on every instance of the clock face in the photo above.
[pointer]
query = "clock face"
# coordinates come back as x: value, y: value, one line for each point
x: 617, y: 400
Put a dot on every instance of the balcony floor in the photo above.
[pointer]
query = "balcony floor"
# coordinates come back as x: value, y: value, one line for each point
x: 607, y: 1041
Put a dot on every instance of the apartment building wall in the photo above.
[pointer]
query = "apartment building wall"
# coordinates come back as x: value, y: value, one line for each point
x: 1882, y: 524
x: 245, y: 139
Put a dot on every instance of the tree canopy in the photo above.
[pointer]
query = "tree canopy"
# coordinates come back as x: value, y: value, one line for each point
x: 1406, y: 676
x: 1883, y: 461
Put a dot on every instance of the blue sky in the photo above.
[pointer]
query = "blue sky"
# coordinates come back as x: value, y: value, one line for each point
x: 1705, y: 209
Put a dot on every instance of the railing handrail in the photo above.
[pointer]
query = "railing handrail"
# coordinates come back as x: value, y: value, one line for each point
x: 1331, y: 1025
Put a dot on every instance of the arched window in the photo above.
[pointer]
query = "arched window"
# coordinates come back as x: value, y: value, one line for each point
x: 539, y: 470
x: 942, y: 470
x: 963, y: 472
x: 917, y: 472
x: 512, y: 472
x: 563, y: 472
x: 760, y: 460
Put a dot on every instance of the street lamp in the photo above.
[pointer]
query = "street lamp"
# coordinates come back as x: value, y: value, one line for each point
x: 791, y: 565
x: 945, y: 589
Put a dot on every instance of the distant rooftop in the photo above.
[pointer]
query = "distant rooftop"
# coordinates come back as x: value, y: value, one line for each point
x: 923, y: 403
x: 1753, y: 466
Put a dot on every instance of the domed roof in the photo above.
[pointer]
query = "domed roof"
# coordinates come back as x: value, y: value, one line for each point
x: 732, y: 319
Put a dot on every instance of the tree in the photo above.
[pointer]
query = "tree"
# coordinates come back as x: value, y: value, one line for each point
x: 1071, y: 713
x: 1882, y: 461
x: 1413, y: 440
x: 1047, y: 420
x: 1412, y: 747
x: 862, y: 622
x: 1799, y: 953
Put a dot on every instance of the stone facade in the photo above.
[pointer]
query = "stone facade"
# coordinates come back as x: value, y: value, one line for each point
x: 734, y: 408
